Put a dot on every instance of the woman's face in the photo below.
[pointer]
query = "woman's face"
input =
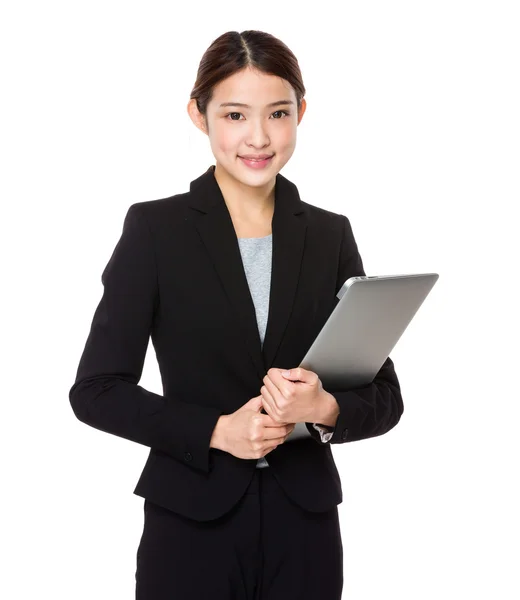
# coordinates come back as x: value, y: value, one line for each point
x: 256, y: 129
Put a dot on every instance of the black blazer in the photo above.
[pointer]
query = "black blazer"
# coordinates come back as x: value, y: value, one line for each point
x: 176, y: 275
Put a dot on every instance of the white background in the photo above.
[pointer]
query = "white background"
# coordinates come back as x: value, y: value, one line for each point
x: 412, y: 130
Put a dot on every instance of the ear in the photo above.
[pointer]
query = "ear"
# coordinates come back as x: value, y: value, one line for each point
x: 197, y: 118
x: 302, y: 110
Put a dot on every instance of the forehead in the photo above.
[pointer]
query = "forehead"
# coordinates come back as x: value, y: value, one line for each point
x: 252, y: 87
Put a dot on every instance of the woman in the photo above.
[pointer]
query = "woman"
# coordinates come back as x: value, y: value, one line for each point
x: 232, y: 281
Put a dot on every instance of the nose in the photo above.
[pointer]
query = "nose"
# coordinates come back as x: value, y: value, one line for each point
x: 258, y: 136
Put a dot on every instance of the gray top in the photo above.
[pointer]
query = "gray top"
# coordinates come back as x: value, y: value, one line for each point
x: 257, y: 259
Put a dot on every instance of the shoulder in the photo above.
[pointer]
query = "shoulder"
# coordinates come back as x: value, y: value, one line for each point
x: 169, y: 210
x: 324, y: 219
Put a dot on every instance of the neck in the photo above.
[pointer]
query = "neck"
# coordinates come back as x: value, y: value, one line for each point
x: 244, y: 202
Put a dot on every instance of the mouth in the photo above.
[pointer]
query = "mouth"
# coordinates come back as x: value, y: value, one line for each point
x: 257, y: 163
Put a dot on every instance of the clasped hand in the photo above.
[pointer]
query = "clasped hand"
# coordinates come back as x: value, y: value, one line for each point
x: 292, y: 396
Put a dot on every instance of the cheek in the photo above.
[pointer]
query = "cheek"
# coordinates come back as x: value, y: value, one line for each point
x: 225, y: 139
x: 286, y: 139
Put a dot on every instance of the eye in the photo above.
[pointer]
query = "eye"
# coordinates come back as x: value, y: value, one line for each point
x: 282, y: 111
x: 276, y: 112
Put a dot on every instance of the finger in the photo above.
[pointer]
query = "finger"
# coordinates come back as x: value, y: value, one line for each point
x: 276, y: 376
x: 279, y: 387
x: 274, y: 398
x: 268, y: 403
x: 271, y: 389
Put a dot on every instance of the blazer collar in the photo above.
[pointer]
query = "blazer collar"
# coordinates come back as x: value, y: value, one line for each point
x: 217, y: 232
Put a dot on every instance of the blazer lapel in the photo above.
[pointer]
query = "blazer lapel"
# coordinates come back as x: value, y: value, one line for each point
x: 217, y: 232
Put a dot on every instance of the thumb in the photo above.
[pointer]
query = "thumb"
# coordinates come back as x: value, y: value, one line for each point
x: 255, y: 403
x: 297, y: 374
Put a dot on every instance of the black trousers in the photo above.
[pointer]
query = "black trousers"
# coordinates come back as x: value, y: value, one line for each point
x: 265, y: 548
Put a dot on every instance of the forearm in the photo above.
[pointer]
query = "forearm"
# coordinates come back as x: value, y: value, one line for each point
x: 370, y: 410
x: 122, y: 408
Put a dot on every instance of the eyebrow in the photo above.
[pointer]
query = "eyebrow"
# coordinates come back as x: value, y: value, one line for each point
x: 277, y: 103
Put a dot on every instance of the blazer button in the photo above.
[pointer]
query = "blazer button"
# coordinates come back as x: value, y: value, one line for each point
x: 187, y: 456
x: 344, y: 434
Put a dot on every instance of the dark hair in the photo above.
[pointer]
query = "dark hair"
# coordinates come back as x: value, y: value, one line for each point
x: 233, y: 51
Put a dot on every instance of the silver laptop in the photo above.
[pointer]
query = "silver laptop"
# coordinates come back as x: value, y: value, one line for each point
x: 365, y: 325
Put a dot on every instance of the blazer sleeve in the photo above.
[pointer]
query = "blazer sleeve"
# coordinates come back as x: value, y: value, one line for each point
x: 373, y: 409
x: 106, y: 394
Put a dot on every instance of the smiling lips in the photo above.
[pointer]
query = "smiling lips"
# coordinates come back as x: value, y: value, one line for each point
x: 256, y: 156
x: 257, y: 163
